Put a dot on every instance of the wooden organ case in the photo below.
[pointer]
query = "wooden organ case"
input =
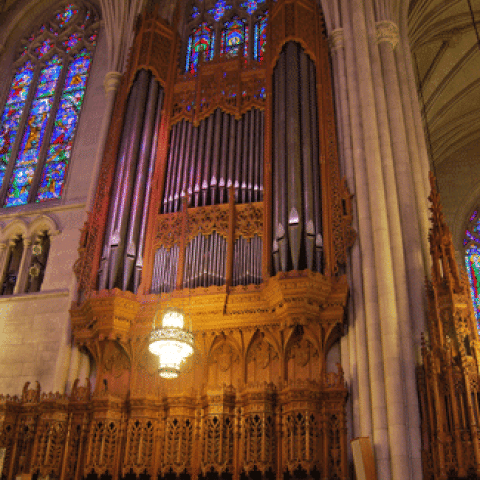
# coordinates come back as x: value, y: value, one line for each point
x: 219, y: 192
x: 448, y: 380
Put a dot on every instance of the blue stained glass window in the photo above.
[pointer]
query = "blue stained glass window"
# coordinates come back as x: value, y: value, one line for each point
x: 72, y: 40
x: 37, y: 156
x: 251, y: 5
x: 219, y: 10
x: 34, y: 132
x: 472, y: 261
x: 66, y: 15
x: 234, y: 37
x: 195, y: 12
x: 238, y: 33
x: 12, y: 113
x: 201, y: 42
x: 260, y: 39
x: 61, y: 140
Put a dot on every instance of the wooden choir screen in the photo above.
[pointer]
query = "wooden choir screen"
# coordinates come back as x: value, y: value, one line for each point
x: 448, y: 379
x: 297, y: 429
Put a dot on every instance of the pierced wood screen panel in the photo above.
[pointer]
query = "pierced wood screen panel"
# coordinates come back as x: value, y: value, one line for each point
x: 222, y: 431
x: 205, y: 246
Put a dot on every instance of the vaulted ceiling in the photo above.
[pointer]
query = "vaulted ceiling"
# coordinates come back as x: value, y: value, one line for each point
x: 444, y: 47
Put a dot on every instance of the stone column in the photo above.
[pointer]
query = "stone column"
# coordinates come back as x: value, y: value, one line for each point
x: 357, y: 336
x: 372, y: 355
x: 394, y: 433
x: 3, y: 259
x: 22, y: 275
x: 387, y: 38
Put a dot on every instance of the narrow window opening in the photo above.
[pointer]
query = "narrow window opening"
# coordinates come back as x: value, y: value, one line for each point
x: 38, y: 264
x: 13, y: 266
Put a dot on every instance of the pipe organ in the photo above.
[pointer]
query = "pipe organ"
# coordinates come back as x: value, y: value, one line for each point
x: 121, y: 263
x: 219, y: 194
x: 297, y: 210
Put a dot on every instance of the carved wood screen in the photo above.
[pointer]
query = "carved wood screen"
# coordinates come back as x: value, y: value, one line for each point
x: 299, y: 428
x: 448, y: 380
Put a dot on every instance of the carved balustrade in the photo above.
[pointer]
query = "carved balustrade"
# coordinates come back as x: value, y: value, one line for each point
x: 297, y: 426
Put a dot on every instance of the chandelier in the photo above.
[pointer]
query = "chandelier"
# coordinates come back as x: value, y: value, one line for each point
x: 171, y: 340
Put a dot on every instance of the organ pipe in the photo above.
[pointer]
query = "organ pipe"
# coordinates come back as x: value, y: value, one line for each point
x: 125, y: 197
x: 297, y: 236
x: 307, y: 173
x: 120, y: 167
x: 317, y: 194
x: 140, y: 184
x: 205, y: 160
x: 148, y: 189
x: 293, y: 155
x: 126, y: 222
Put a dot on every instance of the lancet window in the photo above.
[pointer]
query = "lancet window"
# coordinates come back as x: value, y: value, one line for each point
x: 41, y: 111
x: 226, y: 29
x: 472, y: 260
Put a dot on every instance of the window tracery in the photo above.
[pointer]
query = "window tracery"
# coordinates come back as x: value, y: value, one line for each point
x: 40, y: 115
x: 228, y: 28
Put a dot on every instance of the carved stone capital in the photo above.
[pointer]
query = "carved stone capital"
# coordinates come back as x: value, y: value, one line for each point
x: 387, y: 31
x: 337, y: 39
x: 112, y: 81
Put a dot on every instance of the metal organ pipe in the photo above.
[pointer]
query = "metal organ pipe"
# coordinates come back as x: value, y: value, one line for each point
x: 208, y: 160
x: 317, y: 189
x: 309, y: 227
x: 244, y: 157
x: 121, y: 160
x: 125, y: 233
x: 216, y: 155
x: 140, y: 184
x: 148, y: 189
x: 224, y: 158
x: 297, y: 220
x: 186, y: 168
x: 293, y: 155
x: 281, y: 192
x: 178, y: 178
x: 121, y: 220
x: 204, y: 161
x: 198, y: 163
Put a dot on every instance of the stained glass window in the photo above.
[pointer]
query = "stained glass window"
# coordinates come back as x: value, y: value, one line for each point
x: 201, y: 42
x: 251, y: 5
x: 472, y: 261
x: 38, y: 122
x: 260, y: 38
x: 234, y: 36
x: 12, y: 113
x: 233, y: 24
x: 219, y: 10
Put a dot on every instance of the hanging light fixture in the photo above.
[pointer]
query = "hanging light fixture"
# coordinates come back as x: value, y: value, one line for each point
x: 171, y: 339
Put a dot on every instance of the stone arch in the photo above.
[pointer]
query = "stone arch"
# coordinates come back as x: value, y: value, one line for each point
x: 17, y: 227
x: 43, y: 223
